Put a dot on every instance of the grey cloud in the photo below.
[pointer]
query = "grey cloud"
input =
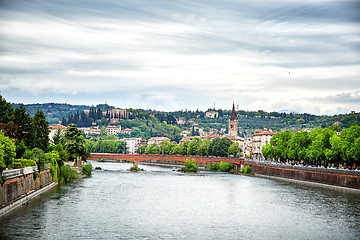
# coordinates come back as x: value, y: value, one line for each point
x: 283, y: 35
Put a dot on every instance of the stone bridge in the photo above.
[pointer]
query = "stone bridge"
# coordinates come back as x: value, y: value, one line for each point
x: 167, y: 159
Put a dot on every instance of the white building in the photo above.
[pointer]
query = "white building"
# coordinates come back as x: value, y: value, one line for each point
x: 260, y: 139
x: 132, y: 144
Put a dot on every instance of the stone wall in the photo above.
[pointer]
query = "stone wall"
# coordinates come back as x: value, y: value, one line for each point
x: 344, y: 179
x: 15, y: 188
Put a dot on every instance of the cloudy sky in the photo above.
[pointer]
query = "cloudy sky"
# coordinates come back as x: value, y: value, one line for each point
x: 175, y: 54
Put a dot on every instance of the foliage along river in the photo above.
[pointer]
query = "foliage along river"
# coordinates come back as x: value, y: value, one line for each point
x: 164, y: 204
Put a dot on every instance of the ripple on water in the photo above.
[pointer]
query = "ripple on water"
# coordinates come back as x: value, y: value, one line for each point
x: 163, y: 204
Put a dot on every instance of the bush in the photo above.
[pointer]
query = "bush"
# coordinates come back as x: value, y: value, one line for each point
x: 225, y: 167
x: 221, y: 167
x: 87, y: 169
x: 213, y: 166
x: 21, y: 163
x: 68, y: 174
x: 190, y: 166
x: 136, y: 168
x: 247, y: 170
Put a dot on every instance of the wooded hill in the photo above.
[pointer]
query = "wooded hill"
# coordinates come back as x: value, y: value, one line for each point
x: 149, y: 123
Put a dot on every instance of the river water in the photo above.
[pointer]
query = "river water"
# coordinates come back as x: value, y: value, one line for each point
x: 160, y: 203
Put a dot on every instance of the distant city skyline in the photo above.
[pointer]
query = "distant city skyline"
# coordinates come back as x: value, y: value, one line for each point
x: 172, y: 55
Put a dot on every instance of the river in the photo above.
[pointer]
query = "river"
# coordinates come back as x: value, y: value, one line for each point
x: 160, y: 203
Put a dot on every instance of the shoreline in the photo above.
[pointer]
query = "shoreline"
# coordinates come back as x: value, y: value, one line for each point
x: 13, y: 205
x: 311, y: 184
x: 302, y: 182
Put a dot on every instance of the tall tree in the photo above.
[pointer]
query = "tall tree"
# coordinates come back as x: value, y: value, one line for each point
x: 39, y: 132
x: 6, y: 117
x: 23, y: 122
x: 75, y: 144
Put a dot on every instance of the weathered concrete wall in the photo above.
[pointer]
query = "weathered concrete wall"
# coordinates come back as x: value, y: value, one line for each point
x: 16, y: 188
x: 326, y: 177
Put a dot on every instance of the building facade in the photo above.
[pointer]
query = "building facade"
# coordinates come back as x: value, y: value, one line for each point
x: 260, y: 139
x: 112, y: 130
x: 133, y: 144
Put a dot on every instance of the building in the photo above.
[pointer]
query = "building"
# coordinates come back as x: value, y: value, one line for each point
x: 260, y: 139
x: 54, y: 128
x: 233, y: 123
x: 112, y: 130
x: 158, y: 140
x: 89, y: 131
x: 126, y: 131
x: 212, y: 114
x: 133, y: 144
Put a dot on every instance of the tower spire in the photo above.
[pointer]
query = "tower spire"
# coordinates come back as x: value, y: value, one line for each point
x: 233, y: 114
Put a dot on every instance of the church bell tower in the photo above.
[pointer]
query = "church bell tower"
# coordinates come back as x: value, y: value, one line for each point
x: 233, y: 123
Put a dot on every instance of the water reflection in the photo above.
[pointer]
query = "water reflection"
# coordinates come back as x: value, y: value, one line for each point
x: 164, y: 204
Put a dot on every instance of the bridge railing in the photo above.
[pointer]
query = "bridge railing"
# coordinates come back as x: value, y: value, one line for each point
x: 145, y: 157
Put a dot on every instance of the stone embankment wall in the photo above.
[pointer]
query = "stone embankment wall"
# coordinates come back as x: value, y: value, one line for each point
x: 19, y: 186
x: 340, y: 178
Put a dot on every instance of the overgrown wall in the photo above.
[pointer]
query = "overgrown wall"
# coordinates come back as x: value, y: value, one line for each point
x: 332, y: 177
x: 15, y: 188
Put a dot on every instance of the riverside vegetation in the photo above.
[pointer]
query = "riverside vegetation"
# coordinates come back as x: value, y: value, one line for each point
x: 24, y: 141
x: 320, y: 147
x: 190, y: 166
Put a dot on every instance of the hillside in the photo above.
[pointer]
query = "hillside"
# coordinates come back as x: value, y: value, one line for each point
x: 154, y: 123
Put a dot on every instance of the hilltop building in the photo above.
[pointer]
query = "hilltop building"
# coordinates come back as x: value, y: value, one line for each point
x: 212, y: 114
x: 233, y: 123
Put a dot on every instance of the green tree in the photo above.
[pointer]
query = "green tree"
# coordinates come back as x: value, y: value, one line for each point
x: 54, y: 160
x: 76, y: 143
x: 149, y: 148
x: 7, y: 151
x: 142, y: 149
x: 22, y: 121
x: 6, y: 118
x: 39, y: 132
x: 193, y: 146
x: 234, y: 149
x: 298, y: 145
x: 280, y: 143
x: 220, y: 147
x: 40, y: 158
x: 204, y: 147
x: 59, y: 137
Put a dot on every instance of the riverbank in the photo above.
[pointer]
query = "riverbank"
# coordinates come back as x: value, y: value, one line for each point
x: 312, y: 184
x: 328, y: 177
x: 23, y: 200
x: 22, y: 184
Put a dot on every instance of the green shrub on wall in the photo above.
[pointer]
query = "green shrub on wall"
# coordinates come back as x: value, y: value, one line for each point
x: 22, y: 163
